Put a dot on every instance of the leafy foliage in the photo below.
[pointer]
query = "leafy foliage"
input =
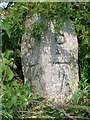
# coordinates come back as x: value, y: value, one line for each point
x: 16, y: 96
x: 5, y: 69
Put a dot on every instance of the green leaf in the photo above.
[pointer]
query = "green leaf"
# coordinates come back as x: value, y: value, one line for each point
x: 83, y: 41
x: 7, y: 114
x: 24, y: 7
x: 14, y: 100
x: 1, y: 67
x: 6, y: 26
x: 9, y: 74
x: 9, y: 53
x: 5, y: 61
x: 87, y: 55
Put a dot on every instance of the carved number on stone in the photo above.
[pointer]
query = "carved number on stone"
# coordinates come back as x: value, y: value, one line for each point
x: 62, y: 76
x: 60, y: 39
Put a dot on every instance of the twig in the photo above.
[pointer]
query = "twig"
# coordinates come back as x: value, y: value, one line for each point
x: 86, y: 108
x: 74, y: 117
x: 4, y: 73
x: 71, y: 117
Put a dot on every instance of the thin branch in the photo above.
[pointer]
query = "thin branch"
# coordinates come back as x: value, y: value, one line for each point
x: 71, y: 117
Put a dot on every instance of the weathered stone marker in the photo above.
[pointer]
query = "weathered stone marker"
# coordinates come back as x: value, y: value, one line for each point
x: 50, y: 66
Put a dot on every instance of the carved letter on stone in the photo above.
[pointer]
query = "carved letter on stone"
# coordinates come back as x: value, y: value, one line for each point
x: 50, y: 67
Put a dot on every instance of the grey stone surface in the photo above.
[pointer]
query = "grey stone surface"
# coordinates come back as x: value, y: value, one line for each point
x: 50, y: 67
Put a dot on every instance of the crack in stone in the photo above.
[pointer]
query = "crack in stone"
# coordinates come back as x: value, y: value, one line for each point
x: 33, y: 65
x: 61, y: 62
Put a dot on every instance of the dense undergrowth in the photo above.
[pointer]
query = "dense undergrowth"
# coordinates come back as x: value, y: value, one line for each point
x: 17, y: 100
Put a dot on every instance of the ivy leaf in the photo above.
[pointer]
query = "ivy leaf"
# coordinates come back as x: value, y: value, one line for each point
x: 6, y: 26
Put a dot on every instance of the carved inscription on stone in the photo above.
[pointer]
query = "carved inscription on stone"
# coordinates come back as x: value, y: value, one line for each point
x: 50, y: 67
